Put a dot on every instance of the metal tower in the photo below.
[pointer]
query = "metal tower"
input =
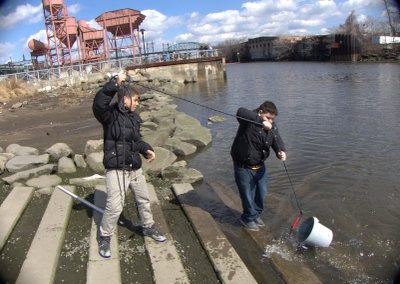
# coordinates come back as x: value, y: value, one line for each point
x: 61, y: 32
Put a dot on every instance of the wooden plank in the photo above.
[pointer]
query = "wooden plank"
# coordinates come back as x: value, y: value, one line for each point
x: 227, y: 263
x: 41, y: 261
x: 11, y: 210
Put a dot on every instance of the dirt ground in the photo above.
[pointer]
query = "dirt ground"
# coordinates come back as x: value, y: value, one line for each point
x: 46, y: 119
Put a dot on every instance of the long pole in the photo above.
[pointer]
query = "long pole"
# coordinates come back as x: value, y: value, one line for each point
x: 87, y: 203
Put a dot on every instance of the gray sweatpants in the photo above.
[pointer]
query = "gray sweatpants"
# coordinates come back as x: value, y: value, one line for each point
x: 134, y: 180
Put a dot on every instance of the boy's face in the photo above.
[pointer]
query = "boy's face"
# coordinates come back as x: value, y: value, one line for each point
x: 131, y: 102
x: 266, y: 116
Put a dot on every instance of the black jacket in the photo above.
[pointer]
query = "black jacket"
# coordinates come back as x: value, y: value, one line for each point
x: 252, y: 142
x: 121, y: 131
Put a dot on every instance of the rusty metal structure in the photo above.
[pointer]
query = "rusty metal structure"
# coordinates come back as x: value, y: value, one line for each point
x: 39, y: 49
x: 92, y: 43
x: 70, y: 42
x: 123, y: 25
x: 62, y: 32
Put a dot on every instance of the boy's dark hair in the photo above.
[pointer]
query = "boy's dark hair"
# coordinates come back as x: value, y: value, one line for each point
x: 127, y: 90
x: 268, y: 106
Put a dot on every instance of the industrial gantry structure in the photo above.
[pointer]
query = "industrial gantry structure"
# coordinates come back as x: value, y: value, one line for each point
x: 70, y: 42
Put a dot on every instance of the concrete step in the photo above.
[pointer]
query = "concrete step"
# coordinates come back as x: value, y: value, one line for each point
x: 292, y: 272
x: 41, y: 261
x: 101, y: 270
x: 227, y: 263
x: 11, y: 210
x: 166, y: 263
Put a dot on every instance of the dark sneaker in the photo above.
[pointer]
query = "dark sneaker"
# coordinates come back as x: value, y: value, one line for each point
x: 251, y: 225
x: 104, y: 247
x: 153, y: 233
x: 259, y: 222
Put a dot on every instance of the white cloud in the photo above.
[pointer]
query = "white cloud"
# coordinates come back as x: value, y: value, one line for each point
x: 74, y: 9
x: 157, y: 23
x: 6, y: 50
x: 26, y: 12
x: 93, y: 24
x: 360, y: 4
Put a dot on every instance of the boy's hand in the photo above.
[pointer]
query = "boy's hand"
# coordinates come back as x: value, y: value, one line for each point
x: 282, y: 156
x: 150, y: 155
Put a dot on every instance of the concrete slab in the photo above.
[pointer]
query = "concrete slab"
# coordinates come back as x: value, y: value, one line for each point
x: 102, y: 270
x: 166, y: 263
x: 11, y: 210
x: 227, y: 263
x: 41, y: 261
x: 292, y: 272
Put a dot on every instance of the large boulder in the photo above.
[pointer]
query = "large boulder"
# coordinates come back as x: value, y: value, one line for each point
x: 45, y: 169
x: 59, y: 150
x: 1, y: 150
x: 95, y: 162
x: 19, y: 150
x: 44, y: 181
x: 164, y: 158
x: 66, y: 166
x: 3, y: 161
x: 177, y: 174
x: 197, y: 135
x: 93, y: 146
x: 20, y: 163
x: 179, y: 147
x: 156, y: 138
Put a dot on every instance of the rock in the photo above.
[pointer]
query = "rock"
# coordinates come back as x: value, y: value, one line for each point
x: 16, y: 106
x: 59, y: 150
x: 44, y: 181
x: 181, y: 175
x: 18, y: 150
x: 95, y: 162
x: 93, y: 146
x: 45, y: 190
x: 1, y: 150
x: 15, y: 184
x: 20, y: 163
x: 46, y: 169
x: 156, y: 138
x: 3, y: 161
x: 66, y: 166
x: 79, y: 161
x: 196, y: 135
x: 150, y: 125
x: 216, y: 118
x: 181, y: 164
x: 179, y: 147
x: 87, y: 182
x: 164, y: 158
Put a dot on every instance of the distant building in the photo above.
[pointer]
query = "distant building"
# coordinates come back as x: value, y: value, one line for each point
x: 261, y: 48
x: 385, y: 39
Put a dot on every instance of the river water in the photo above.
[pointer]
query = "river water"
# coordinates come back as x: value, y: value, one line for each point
x: 341, y: 126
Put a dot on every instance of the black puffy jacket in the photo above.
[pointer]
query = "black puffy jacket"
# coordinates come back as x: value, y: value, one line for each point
x: 121, y: 131
x: 252, y: 143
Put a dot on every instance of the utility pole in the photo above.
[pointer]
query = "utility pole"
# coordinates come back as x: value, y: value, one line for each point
x: 144, y: 47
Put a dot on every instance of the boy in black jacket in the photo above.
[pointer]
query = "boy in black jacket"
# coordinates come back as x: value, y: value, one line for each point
x: 122, y: 146
x: 256, y: 134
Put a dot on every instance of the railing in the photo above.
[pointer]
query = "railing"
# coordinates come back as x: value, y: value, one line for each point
x: 109, y: 65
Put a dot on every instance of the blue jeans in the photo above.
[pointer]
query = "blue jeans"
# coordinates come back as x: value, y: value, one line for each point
x: 252, y: 185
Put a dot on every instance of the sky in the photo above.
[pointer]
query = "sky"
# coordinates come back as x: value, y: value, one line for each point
x: 206, y: 21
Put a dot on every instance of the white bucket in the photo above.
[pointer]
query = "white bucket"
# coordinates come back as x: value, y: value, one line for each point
x: 312, y: 233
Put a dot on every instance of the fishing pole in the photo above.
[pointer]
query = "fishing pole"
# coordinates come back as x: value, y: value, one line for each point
x: 192, y: 102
